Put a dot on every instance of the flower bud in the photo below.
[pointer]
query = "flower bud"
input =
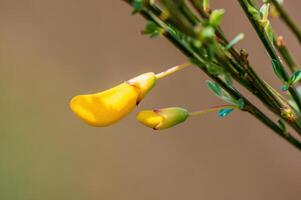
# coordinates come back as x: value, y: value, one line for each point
x: 159, y: 119
x: 108, y: 107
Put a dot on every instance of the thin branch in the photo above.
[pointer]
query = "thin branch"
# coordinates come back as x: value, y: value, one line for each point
x: 287, y: 19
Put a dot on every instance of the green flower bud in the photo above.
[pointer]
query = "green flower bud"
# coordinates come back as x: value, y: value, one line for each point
x: 216, y: 17
x: 159, y: 119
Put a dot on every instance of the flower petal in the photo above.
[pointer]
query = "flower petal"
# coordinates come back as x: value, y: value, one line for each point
x: 150, y: 118
x: 105, y: 108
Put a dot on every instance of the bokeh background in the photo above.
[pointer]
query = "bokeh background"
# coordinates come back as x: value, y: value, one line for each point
x: 51, y: 50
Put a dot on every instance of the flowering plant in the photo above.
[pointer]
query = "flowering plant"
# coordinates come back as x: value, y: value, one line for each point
x: 194, y: 28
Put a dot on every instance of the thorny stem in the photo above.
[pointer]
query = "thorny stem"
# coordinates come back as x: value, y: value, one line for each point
x: 150, y: 14
x: 287, y: 19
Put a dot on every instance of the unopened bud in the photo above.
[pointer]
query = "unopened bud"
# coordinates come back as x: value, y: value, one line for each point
x: 159, y: 119
x: 280, y: 41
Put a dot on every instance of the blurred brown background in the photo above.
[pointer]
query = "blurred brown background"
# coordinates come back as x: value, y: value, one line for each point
x: 51, y: 50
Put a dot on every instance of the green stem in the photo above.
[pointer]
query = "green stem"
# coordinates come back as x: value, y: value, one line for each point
x: 212, y: 109
x: 287, y: 19
x: 285, y: 54
x: 249, y: 107
x: 269, y: 48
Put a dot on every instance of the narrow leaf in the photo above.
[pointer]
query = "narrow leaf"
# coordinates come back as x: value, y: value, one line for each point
x: 215, y: 88
x: 215, y: 69
x: 225, y: 112
x: 282, y: 125
x: 216, y: 17
x: 208, y: 33
x: 240, y: 103
x: 137, y: 6
x: 228, y: 79
x: 254, y: 12
x: 284, y: 87
x: 233, y: 42
x: 264, y: 11
x: 278, y: 70
x: 295, y: 78
x: 269, y: 32
x: 152, y: 29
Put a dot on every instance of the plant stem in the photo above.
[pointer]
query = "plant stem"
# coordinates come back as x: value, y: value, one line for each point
x: 269, y: 48
x: 287, y: 19
x: 212, y: 109
x: 190, y: 53
x: 286, y: 55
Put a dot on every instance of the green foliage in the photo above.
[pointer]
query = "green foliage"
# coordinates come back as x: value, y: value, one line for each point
x: 224, y: 95
x: 254, y: 12
x: 282, y: 125
x: 233, y: 42
x: 225, y: 112
x: 215, y: 69
x: 284, y: 87
x: 208, y: 33
x: 292, y: 80
x: 269, y: 32
x: 228, y: 79
x: 215, y: 88
x: 216, y: 17
x: 137, y: 5
x: 295, y: 78
x: 196, y: 31
x: 152, y: 29
x: 279, y: 71
x: 240, y: 103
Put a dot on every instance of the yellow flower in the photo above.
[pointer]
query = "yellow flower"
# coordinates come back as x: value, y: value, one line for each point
x: 159, y: 119
x: 108, y: 107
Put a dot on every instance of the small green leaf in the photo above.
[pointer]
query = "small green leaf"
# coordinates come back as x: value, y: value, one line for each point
x: 295, y: 78
x: 254, y: 12
x: 228, y: 79
x: 208, y: 33
x: 215, y: 69
x: 215, y: 88
x: 137, y: 5
x: 264, y: 11
x: 278, y: 70
x: 240, y: 103
x: 238, y: 38
x: 206, y: 5
x: 152, y: 29
x: 225, y: 112
x: 284, y: 87
x: 282, y: 125
x: 269, y: 31
x: 222, y: 94
x: 216, y: 17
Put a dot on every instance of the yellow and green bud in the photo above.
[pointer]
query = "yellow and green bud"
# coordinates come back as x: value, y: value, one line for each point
x: 159, y: 119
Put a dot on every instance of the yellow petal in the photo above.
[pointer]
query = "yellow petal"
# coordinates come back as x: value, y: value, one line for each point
x: 145, y: 82
x: 105, y: 108
x: 150, y: 118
